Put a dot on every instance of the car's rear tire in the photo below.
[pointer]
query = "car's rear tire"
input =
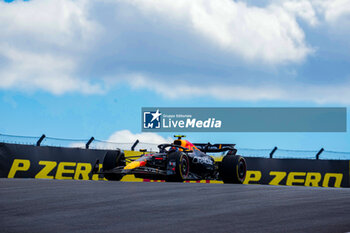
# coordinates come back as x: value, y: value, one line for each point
x: 182, y: 168
x: 233, y: 169
x: 111, y: 160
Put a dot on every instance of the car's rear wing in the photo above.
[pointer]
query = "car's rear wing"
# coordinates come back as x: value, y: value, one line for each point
x: 214, y: 148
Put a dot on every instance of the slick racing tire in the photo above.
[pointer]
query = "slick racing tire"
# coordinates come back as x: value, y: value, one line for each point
x: 111, y: 160
x: 182, y: 168
x: 233, y: 169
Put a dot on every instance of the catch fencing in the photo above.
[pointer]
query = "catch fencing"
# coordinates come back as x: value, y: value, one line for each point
x: 93, y: 143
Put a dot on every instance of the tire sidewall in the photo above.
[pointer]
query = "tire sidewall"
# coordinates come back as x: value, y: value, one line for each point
x: 231, y: 166
x: 111, y: 160
x: 178, y: 157
x: 179, y: 166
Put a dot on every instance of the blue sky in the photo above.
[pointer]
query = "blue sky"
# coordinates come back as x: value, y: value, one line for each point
x: 76, y: 69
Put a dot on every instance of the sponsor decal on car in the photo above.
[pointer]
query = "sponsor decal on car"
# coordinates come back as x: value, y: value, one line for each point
x: 204, y: 160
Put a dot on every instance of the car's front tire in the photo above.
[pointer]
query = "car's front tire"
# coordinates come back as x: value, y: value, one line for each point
x: 111, y: 160
x: 182, y: 168
x: 233, y: 169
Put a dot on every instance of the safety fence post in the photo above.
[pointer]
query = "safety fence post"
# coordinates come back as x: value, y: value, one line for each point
x: 273, y: 151
x: 318, y: 153
x: 135, y: 144
x: 40, y: 140
x: 89, y: 142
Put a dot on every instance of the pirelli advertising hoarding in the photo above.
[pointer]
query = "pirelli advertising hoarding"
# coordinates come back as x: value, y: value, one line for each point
x: 25, y: 161
x: 303, y: 172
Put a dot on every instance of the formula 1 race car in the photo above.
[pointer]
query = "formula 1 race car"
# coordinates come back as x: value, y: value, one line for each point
x: 177, y: 162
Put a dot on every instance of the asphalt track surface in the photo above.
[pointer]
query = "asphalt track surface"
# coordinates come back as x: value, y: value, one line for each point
x: 29, y: 205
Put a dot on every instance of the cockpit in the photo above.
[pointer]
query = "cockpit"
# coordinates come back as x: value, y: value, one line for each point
x: 184, y: 143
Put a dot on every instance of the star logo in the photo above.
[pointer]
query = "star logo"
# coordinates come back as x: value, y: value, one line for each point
x: 151, y: 120
x: 156, y: 115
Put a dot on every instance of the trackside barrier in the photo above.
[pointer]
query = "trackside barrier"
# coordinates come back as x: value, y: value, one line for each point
x: 298, y: 172
x: 44, y: 162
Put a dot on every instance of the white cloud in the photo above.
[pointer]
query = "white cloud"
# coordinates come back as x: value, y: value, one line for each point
x: 333, y: 10
x: 77, y: 145
x: 124, y: 139
x: 303, y: 9
x: 59, y: 23
x: 148, y: 141
x: 125, y: 136
x: 270, y: 35
x: 85, y: 46
x: 28, y: 71
x: 39, y: 41
x: 314, y: 93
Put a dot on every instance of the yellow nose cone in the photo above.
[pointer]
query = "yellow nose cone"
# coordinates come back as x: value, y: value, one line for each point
x: 134, y: 164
